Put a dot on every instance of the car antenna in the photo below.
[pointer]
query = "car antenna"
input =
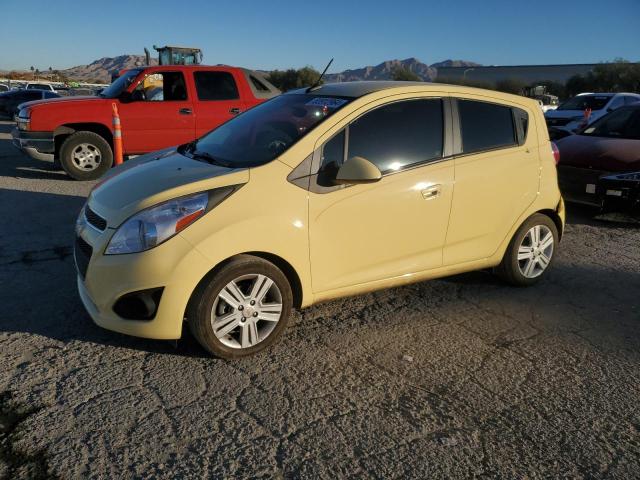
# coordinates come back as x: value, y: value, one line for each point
x: 317, y: 82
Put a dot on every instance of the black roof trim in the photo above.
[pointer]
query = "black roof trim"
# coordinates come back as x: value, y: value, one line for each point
x: 355, y: 89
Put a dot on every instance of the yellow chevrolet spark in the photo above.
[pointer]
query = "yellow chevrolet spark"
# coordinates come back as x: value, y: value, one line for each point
x: 317, y: 194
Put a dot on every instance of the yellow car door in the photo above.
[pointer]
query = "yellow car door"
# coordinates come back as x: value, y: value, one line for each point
x: 497, y: 175
x: 363, y: 233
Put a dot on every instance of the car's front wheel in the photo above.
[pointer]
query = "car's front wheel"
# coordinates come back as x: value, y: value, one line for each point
x: 85, y: 156
x: 530, y: 252
x: 242, y: 309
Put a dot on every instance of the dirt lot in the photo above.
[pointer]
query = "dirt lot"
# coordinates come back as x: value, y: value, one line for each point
x: 511, y: 383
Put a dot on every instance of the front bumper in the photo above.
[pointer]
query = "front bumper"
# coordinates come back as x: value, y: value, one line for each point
x: 620, y: 192
x: 38, y: 145
x: 102, y: 280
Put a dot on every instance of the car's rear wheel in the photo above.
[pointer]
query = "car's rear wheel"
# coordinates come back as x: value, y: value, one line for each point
x: 242, y: 309
x: 530, y: 252
x: 85, y: 156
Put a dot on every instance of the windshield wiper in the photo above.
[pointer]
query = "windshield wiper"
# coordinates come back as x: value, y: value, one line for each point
x: 207, y: 156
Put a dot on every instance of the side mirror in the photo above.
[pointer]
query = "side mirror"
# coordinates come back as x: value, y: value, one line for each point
x: 358, y: 170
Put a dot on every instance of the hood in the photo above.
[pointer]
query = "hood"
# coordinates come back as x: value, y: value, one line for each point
x: 79, y: 98
x: 154, y: 178
x: 600, y: 153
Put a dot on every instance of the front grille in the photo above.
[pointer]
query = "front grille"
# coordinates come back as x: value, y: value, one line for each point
x: 82, y: 253
x: 94, y: 219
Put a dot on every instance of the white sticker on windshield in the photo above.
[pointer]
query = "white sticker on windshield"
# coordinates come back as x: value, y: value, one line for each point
x: 326, y: 102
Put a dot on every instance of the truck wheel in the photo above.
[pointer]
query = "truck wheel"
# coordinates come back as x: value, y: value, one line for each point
x: 242, y: 309
x: 85, y: 156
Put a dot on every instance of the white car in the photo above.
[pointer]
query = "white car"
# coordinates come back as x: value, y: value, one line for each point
x: 40, y: 86
x: 570, y: 116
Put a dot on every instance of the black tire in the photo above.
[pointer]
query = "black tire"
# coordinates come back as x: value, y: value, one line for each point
x: 204, y: 299
x: 97, y: 144
x: 510, y: 269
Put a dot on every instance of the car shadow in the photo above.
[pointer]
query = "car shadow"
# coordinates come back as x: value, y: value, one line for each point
x: 578, y: 214
x: 38, y: 276
x: 14, y: 163
x: 39, y: 294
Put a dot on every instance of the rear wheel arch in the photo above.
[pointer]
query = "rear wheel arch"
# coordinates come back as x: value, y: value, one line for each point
x: 553, y: 215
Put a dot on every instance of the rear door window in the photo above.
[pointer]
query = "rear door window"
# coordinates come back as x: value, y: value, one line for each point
x: 216, y: 86
x: 399, y: 135
x: 486, y: 126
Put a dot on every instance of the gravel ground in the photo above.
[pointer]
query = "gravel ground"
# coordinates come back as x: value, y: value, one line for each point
x: 453, y: 378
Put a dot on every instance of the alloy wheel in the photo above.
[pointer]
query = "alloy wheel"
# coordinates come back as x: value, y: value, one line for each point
x: 246, y: 311
x: 86, y: 156
x: 535, y: 251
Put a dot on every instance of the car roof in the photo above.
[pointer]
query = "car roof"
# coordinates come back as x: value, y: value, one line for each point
x: 356, y: 89
x: 361, y: 88
x: 184, y: 67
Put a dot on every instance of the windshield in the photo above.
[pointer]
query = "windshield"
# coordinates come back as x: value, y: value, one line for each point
x: 582, y: 102
x: 622, y: 123
x: 262, y: 133
x: 120, y: 84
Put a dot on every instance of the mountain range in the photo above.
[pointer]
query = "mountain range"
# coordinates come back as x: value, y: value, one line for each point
x: 100, y: 70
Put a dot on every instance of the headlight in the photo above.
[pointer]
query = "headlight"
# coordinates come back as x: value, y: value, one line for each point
x: 23, y: 119
x: 151, y: 227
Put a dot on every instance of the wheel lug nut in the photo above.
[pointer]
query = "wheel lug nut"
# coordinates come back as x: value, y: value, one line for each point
x: 255, y: 314
x: 240, y: 308
x: 253, y: 302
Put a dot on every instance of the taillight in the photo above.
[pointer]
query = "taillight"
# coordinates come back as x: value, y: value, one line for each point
x: 556, y: 152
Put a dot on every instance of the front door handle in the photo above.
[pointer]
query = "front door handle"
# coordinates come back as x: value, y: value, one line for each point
x: 234, y: 111
x: 431, y: 192
x: 185, y: 111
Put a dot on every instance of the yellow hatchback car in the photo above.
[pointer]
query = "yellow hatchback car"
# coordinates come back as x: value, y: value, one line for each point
x: 317, y: 194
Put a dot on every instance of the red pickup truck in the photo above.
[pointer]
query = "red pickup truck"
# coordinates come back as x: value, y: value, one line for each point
x: 158, y: 106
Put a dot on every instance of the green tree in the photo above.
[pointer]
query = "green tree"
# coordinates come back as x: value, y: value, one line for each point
x: 291, y: 78
x: 404, y: 75
x: 616, y: 76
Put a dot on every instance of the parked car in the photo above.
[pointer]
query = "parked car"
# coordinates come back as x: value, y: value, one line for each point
x: 40, y: 86
x: 10, y: 100
x: 549, y: 102
x: 4, y: 88
x: 76, y: 131
x: 317, y: 194
x: 570, y: 116
x: 611, y: 145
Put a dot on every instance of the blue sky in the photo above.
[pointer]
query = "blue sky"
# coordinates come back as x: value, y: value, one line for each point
x: 284, y: 33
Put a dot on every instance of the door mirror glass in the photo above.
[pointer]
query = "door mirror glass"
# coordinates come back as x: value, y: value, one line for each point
x: 358, y: 170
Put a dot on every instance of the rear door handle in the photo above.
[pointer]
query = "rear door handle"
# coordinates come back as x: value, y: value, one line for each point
x: 234, y: 111
x: 431, y: 192
x: 185, y: 111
